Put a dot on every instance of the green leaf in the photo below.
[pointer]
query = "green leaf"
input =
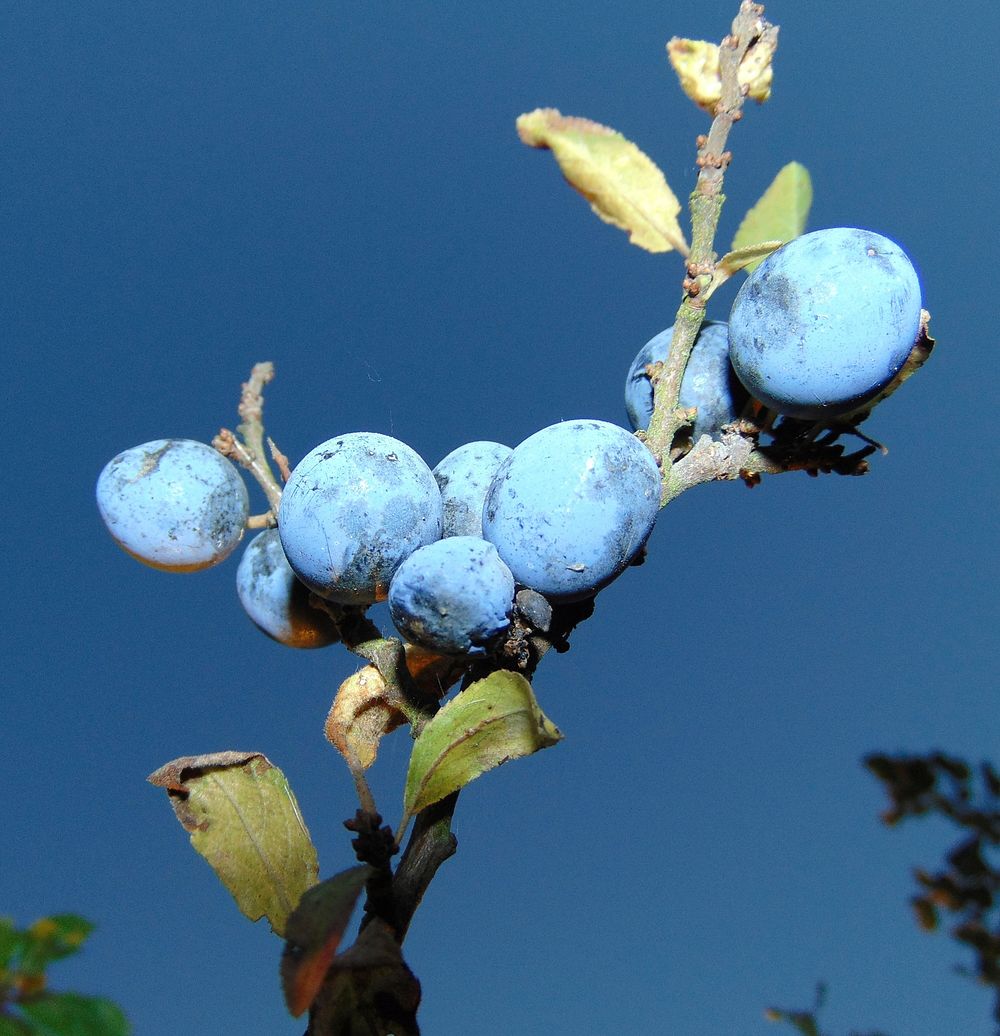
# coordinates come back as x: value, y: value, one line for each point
x: 12, y: 941
x: 243, y: 818
x: 11, y: 1026
x: 803, y: 1022
x: 781, y: 213
x: 624, y: 186
x: 491, y: 721
x: 746, y: 258
x: 53, y: 938
x: 313, y: 933
x: 68, y: 1014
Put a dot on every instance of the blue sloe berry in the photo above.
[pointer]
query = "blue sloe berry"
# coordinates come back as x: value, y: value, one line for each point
x: 353, y: 510
x: 709, y: 382
x: 464, y: 476
x: 825, y: 322
x: 278, y: 602
x: 572, y: 506
x: 454, y: 596
x: 175, y: 504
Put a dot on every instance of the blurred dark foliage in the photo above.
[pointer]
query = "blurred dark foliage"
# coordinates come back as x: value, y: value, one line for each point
x: 966, y: 888
x: 807, y: 1022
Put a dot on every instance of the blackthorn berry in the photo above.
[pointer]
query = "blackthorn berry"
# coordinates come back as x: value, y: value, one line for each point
x: 353, y: 510
x: 454, y: 596
x: 709, y: 382
x: 825, y: 322
x: 276, y: 600
x: 572, y: 506
x: 174, y: 504
x: 464, y: 476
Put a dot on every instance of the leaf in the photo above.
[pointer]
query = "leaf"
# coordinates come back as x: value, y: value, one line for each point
x: 360, y: 716
x: 803, y: 1022
x: 243, y: 818
x: 371, y: 990
x: 11, y: 1026
x: 696, y: 63
x: 52, y: 939
x: 746, y: 258
x: 491, y: 721
x: 12, y: 941
x: 363, y: 711
x: 781, y: 212
x: 623, y: 185
x: 313, y: 932
x: 69, y: 1014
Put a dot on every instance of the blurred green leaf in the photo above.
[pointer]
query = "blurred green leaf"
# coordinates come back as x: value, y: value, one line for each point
x: 491, y: 721
x: 624, y: 186
x: 313, y: 933
x: 12, y: 941
x: 53, y: 938
x: 10, y: 1026
x: 781, y: 212
x: 243, y: 818
x: 69, y: 1014
x: 802, y: 1021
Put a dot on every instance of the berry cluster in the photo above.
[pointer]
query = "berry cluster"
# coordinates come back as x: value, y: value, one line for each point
x: 822, y: 326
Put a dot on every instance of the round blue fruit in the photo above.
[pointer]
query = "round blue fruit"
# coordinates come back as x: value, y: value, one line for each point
x: 572, y: 506
x: 174, y: 504
x: 353, y: 510
x: 709, y: 382
x: 278, y: 602
x: 454, y: 596
x: 464, y: 476
x: 825, y: 322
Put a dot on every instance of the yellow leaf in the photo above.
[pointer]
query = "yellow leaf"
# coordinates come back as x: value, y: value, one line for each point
x: 624, y: 186
x: 696, y: 63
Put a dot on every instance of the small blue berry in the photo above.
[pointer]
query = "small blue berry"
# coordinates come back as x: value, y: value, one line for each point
x: 464, y: 476
x: 709, y: 382
x: 276, y: 601
x: 454, y: 596
x: 572, y: 506
x: 174, y: 504
x: 825, y: 322
x: 352, y: 511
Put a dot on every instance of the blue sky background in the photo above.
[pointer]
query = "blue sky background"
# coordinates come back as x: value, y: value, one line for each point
x: 189, y: 188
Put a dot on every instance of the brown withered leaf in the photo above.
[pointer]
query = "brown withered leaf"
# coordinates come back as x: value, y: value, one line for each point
x: 363, y: 712
x: 313, y: 932
x: 360, y: 717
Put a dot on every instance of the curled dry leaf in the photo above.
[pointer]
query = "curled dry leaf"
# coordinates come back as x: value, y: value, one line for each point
x: 696, y: 63
x: 360, y: 717
x: 363, y: 711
